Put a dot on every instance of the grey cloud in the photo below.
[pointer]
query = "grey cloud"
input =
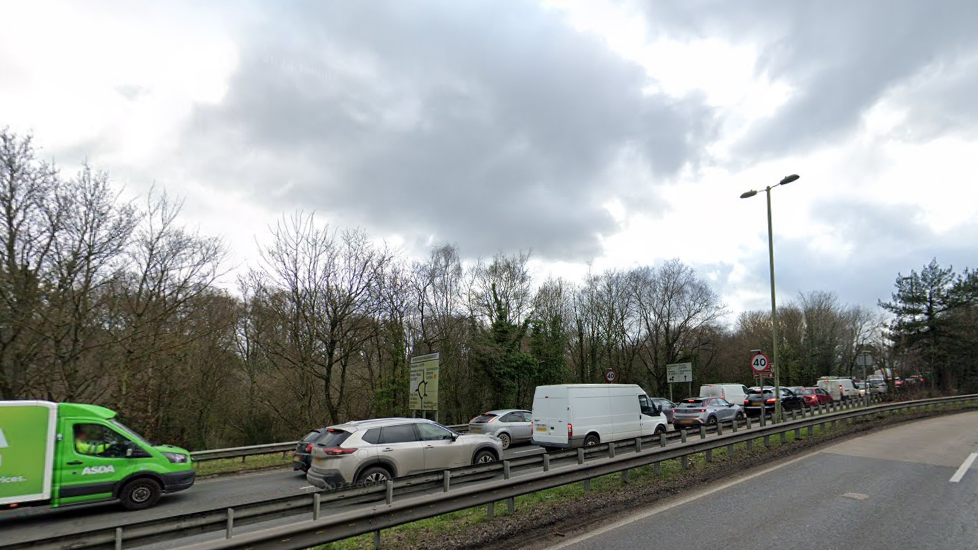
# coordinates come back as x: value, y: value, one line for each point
x: 840, y: 56
x: 886, y: 240
x: 489, y: 127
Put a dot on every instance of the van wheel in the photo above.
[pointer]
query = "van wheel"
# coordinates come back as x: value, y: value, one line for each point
x: 505, y: 439
x: 660, y: 429
x: 140, y: 494
x: 591, y: 440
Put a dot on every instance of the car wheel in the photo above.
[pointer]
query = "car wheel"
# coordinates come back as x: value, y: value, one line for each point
x: 374, y: 475
x: 140, y: 494
x: 484, y: 457
x: 505, y: 439
x: 591, y: 440
x: 711, y: 421
x: 739, y: 416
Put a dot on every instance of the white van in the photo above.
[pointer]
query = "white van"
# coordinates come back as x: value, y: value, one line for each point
x: 734, y: 393
x: 841, y: 389
x: 577, y: 415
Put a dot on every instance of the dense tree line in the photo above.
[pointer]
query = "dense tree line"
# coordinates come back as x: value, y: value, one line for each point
x: 117, y: 303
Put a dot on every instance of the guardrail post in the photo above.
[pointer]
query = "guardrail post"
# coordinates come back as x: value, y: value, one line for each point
x: 624, y: 476
x: 656, y: 469
x: 709, y: 455
x: 390, y: 491
x: 702, y: 431
x: 638, y: 444
x: 446, y: 480
x: 229, y: 532
x: 730, y: 450
x: 243, y: 457
x: 682, y: 435
x: 797, y: 433
x: 784, y: 437
x: 511, y: 504
x: 750, y: 445
x: 505, y: 469
x: 316, y: 503
x: 662, y: 439
x: 546, y: 462
x: 377, y: 540
x: 685, y: 462
x: 611, y: 450
x: 767, y: 441
x: 719, y: 428
x: 491, y: 510
x: 118, y: 538
x: 580, y: 456
x: 734, y: 425
x: 587, y: 484
x: 763, y: 417
x: 747, y: 418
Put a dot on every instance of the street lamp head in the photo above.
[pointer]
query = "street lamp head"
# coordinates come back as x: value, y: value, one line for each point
x: 748, y: 194
x: 789, y: 179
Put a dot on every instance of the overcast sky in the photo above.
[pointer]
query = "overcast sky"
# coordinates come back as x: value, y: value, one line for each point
x: 609, y: 134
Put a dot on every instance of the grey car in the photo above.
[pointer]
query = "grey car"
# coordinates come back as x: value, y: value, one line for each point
x: 509, y: 425
x: 705, y: 410
x: 373, y: 451
x: 665, y: 406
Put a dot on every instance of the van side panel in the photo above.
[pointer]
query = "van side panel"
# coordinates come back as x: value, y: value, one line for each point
x: 590, y: 412
x: 626, y: 419
x: 27, y: 432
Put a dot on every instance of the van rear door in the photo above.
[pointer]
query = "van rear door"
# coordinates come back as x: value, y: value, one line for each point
x: 550, y: 417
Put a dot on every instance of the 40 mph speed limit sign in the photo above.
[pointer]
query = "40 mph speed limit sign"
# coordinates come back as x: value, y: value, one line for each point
x: 759, y: 363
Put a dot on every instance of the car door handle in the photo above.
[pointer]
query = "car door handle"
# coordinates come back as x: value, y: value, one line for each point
x: 387, y: 450
x: 75, y: 463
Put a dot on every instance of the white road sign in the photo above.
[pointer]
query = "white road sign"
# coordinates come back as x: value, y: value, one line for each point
x: 679, y: 372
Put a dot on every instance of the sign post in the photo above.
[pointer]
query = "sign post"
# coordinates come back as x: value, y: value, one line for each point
x: 865, y: 359
x: 761, y: 366
x: 424, y: 384
x: 679, y: 372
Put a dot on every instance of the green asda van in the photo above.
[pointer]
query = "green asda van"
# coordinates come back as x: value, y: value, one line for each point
x: 64, y: 453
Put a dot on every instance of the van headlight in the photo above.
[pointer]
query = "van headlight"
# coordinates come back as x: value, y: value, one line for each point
x: 176, y: 458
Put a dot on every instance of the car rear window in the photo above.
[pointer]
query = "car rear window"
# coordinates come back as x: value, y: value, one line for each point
x: 483, y: 418
x: 311, y: 436
x: 691, y: 403
x: 372, y: 436
x: 758, y: 392
x: 332, y: 438
x: 806, y: 392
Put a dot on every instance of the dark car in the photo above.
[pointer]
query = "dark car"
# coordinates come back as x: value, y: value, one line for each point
x: 665, y: 406
x: 302, y: 457
x: 763, y: 399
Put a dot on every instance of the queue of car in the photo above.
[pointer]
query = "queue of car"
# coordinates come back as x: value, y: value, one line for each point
x: 563, y: 416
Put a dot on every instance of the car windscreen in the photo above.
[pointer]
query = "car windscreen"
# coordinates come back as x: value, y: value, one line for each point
x: 332, y: 438
x: 483, y: 418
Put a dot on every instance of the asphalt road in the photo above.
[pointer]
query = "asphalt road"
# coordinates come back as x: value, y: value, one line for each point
x: 225, y: 491
x: 911, y: 486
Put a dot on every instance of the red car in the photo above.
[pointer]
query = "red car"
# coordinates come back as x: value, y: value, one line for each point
x: 814, y: 396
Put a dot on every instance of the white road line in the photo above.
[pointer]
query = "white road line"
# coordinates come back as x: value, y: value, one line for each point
x: 963, y: 469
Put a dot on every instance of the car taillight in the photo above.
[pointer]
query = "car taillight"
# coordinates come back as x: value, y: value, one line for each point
x: 746, y: 401
x: 701, y: 410
x: 339, y: 451
x: 309, y: 448
x: 473, y: 419
x: 770, y: 401
x: 570, y: 430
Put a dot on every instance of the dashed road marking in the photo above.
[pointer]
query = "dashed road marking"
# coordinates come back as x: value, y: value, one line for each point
x: 963, y: 469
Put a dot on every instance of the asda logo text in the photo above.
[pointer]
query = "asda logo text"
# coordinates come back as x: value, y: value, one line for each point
x: 15, y: 479
x: 98, y: 470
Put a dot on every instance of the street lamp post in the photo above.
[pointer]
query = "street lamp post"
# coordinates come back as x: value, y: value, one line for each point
x: 774, y: 306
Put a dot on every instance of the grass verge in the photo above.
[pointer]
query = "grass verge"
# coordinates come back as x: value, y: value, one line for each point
x: 235, y: 465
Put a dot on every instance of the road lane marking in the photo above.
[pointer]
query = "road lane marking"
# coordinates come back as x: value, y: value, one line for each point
x: 672, y: 503
x: 963, y: 469
x: 856, y: 496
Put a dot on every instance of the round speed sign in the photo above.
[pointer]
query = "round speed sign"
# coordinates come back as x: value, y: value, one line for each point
x: 611, y: 376
x: 759, y: 362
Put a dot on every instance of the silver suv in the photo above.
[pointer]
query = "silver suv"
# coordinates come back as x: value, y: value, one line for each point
x: 373, y: 451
